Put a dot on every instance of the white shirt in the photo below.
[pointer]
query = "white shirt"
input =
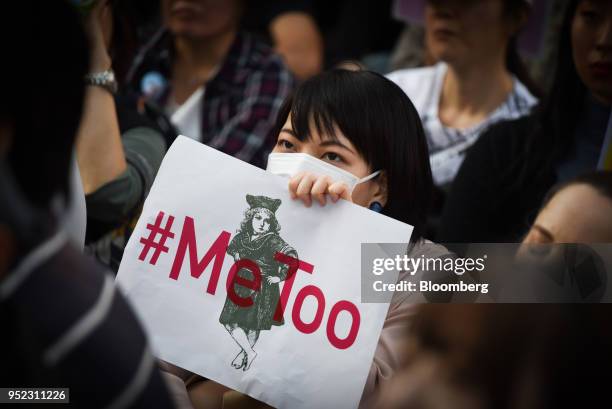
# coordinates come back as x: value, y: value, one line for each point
x: 187, y: 117
x: 448, y: 146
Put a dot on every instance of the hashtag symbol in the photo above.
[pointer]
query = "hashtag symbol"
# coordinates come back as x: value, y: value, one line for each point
x: 159, y: 246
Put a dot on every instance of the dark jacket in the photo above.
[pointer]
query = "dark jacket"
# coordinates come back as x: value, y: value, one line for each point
x: 490, y: 201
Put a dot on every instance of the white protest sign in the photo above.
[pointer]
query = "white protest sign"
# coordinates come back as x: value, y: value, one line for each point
x: 289, y: 333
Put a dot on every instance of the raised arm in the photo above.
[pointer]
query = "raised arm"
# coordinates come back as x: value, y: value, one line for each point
x: 99, y: 151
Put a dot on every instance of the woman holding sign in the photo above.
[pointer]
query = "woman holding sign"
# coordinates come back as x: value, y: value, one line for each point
x: 362, y: 135
x: 355, y: 135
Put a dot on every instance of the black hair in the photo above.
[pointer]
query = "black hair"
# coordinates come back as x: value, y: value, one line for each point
x: 45, y: 57
x: 558, y: 115
x: 515, y: 9
x: 600, y: 181
x: 383, y: 125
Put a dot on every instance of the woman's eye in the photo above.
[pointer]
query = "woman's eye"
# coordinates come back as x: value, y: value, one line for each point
x: 333, y: 157
x: 285, y: 144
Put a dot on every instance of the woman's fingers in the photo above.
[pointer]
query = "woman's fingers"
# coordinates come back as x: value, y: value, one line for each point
x: 339, y: 190
x: 294, y: 182
x: 319, y: 189
x: 304, y: 189
x: 306, y: 186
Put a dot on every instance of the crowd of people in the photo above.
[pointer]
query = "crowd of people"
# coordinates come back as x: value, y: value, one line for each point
x: 465, y: 142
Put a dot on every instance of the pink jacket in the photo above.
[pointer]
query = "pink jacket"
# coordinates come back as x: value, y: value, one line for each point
x: 388, y: 357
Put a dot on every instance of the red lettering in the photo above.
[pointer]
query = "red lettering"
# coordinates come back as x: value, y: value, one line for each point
x: 216, y: 251
x: 233, y: 278
x: 297, y: 307
x: 331, y: 324
x: 294, y: 265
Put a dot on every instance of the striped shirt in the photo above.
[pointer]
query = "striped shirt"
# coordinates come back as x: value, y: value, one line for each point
x: 65, y: 325
x: 448, y: 146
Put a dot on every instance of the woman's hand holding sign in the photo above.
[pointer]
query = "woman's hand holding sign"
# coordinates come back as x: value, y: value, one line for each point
x: 306, y: 186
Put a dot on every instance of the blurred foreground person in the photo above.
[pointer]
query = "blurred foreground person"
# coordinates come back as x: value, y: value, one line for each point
x: 507, y: 173
x: 63, y: 323
x: 526, y: 356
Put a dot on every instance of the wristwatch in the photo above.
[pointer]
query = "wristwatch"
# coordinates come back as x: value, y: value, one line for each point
x: 105, y: 79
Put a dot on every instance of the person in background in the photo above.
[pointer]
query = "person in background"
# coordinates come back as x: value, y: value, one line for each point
x: 219, y: 85
x: 502, y: 183
x: 63, y: 323
x: 499, y: 356
x: 360, y: 30
x: 536, y: 43
x: 290, y: 28
x: 577, y: 211
x: 479, y: 80
x: 119, y: 151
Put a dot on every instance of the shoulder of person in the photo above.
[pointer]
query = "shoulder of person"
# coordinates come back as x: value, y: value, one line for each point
x: 509, y: 135
x: 402, y: 302
x: 428, y: 249
x: 417, y: 83
x: 527, y: 99
x: 260, y: 66
x: 412, y: 77
x: 154, y: 60
x: 501, y: 147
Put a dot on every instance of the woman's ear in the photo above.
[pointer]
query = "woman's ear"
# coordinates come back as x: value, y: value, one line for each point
x: 381, y: 189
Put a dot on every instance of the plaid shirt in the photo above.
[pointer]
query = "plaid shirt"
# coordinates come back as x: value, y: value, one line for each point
x: 241, y: 101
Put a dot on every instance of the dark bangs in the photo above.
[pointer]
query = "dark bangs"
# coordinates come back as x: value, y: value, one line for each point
x: 335, y: 98
x: 383, y: 125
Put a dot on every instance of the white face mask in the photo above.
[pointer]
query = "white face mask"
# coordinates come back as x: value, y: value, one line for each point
x: 289, y: 164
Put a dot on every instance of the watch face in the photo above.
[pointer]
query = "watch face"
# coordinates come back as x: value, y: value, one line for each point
x: 105, y: 79
x: 110, y: 75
